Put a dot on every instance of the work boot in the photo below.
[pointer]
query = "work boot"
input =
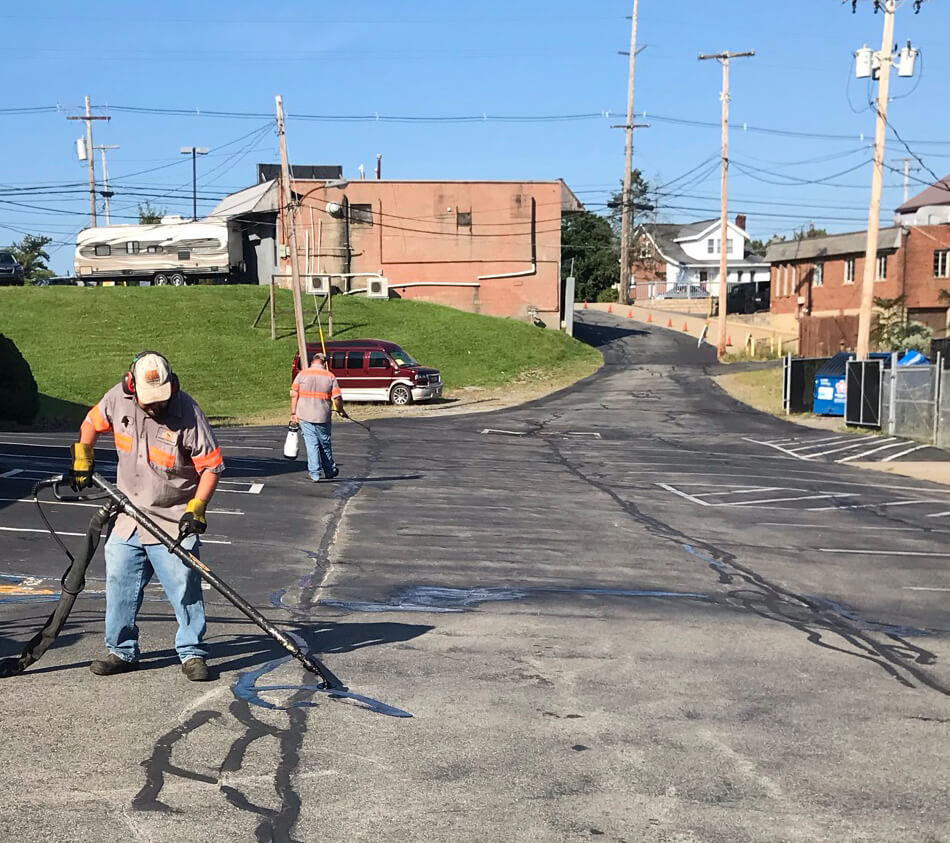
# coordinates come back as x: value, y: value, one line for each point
x: 195, y: 669
x: 111, y: 665
x: 336, y: 471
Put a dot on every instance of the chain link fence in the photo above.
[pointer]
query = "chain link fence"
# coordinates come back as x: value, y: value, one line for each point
x: 916, y: 403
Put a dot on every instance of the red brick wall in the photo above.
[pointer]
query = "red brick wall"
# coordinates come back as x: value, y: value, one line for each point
x: 921, y: 288
x: 415, y: 236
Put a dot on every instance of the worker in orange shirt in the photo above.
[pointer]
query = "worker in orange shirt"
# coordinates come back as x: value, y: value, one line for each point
x: 314, y: 393
x: 168, y: 466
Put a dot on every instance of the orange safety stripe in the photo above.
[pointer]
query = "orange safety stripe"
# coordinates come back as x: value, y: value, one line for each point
x: 162, y: 458
x: 210, y: 460
x: 294, y: 389
x: 337, y: 392
x: 306, y: 394
x: 123, y: 442
x: 94, y: 417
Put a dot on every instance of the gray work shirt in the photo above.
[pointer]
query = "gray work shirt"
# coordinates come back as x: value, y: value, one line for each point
x: 159, y: 460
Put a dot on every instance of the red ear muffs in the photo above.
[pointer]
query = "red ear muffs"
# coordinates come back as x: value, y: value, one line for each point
x: 128, y: 379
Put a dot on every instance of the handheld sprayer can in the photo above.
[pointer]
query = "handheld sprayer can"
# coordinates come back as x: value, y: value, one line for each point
x: 292, y: 442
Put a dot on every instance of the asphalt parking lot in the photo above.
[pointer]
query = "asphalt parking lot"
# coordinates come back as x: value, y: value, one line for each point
x: 617, y: 613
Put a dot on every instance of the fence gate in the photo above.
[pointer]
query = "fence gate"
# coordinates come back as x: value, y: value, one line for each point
x: 798, y: 382
x: 863, y: 403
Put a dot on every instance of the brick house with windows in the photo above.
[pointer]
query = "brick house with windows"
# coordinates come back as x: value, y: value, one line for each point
x: 816, y: 282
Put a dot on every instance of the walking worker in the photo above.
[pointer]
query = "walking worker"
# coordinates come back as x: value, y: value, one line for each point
x: 168, y: 466
x: 315, y: 390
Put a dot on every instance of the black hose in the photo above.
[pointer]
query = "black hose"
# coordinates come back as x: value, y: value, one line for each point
x: 73, y: 582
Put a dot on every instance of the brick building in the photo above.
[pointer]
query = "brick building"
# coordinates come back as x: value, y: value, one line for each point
x: 490, y: 247
x: 816, y: 282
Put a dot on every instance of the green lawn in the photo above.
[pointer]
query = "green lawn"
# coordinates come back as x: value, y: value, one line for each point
x: 79, y: 340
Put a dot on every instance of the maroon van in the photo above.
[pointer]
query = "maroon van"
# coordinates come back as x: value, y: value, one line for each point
x: 377, y: 370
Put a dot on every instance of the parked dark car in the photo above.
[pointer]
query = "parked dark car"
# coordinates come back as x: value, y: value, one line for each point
x: 11, y: 273
x: 748, y: 297
x: 376, y: 370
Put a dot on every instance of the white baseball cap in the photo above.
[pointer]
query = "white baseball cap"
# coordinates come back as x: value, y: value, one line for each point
x: 153, y: 379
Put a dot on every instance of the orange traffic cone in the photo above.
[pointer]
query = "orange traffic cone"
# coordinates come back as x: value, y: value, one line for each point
x: 669, y: 322
x: 630, y: 313
x: 649, y: 317
x: 585, y: 306
x: 685, y: 327
x: 610, y: 308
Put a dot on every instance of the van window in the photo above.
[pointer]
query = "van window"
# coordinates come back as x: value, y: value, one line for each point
x: 378, y: 360
x: 354, y: 360
x: 337, y: 359
x: 402, y: 359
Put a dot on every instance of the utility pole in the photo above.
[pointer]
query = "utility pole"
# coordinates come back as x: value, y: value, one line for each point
x: 723, y: 59
x: 877, y: 180
x: 907, y: 171
x: 90, y: 156
x: 291, y: 223
x: 106, y: 193
x: 194, y: 152
x: 623, y: 296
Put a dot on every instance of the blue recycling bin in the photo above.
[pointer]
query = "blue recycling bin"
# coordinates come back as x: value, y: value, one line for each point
x: 831, y: 385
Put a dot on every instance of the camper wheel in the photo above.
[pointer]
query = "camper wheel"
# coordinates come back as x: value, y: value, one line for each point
x: 177, y: 280
x: 160, y: 280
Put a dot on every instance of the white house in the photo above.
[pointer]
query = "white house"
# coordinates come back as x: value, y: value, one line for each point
x: 681, y: 260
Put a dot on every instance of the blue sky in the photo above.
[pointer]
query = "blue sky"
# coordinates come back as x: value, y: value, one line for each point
x: 439, y: 59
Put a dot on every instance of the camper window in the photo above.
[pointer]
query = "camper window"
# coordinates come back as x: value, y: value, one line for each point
x: 153, y: 250
x: 103, y: 250
x: 132, y: 247
x: 184, y: 256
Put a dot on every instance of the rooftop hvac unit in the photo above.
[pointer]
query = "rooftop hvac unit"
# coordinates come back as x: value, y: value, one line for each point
x: 319, y: 285
x: 377, y: 288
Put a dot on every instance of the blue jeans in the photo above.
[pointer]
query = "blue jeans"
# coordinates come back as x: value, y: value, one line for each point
x: 319, y: 451
x: 129, y: 568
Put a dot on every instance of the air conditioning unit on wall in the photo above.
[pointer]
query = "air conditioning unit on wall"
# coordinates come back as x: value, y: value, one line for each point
x: 319, y: 285
x: 377, y: 288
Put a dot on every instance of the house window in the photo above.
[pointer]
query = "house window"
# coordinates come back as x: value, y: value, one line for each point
x: 881, y: 268
x: 463, y: 219
x: 361, y: 214
x: 132, y: 247
x: 103, y: 250
x: 703, y: 279
x: 709, y: 247
x: 728, y: 245
x: 849, y: 271
x: 819, y: 275
x: 794, y: 280
x: 940, y: 263
x: 644, y: 251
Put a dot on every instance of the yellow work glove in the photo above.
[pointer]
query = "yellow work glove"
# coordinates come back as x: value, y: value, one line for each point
x: 193, y: 521
x: 83, y: 464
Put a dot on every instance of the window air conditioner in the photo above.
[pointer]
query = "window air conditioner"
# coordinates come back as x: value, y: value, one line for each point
x: 377, y: 288
x: 319, y: 285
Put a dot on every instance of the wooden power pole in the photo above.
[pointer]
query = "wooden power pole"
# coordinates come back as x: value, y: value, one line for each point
x: 624, y: 292
x: 291, y: 223
x: 877, y: 179
x: 90, y: 157
x: 723, y: 59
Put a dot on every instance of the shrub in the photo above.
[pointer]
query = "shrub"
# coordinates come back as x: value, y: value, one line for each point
x: 19, y: 396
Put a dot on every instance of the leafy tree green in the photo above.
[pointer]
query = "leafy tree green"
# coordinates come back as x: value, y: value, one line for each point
x: 639, y: 193
x: 149, y: 214
x: 758, y: 247
x: 589, y: 241
x: 32, y: 256
x: 891, y: 330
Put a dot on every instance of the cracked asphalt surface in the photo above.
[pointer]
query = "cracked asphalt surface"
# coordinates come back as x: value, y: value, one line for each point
x: 610, y: 613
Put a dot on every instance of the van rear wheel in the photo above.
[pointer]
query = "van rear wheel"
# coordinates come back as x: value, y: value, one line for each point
x: 400, y: 395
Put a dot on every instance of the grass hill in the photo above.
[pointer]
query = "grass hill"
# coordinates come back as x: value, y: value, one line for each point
x: 79, y: 340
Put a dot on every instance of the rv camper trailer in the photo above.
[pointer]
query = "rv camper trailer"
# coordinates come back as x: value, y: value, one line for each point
x: 174, y: 251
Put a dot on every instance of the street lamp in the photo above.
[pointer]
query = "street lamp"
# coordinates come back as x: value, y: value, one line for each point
x: 194, y: 152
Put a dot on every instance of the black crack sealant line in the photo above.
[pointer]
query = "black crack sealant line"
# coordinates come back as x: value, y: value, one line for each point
x: 73, y: 583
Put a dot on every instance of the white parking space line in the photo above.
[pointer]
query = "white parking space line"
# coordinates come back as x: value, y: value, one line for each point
x: 862, y: 528
x: 249, y: 447
x: 859, y: 444
x: 903, y: 453
x: 896, y: 444
x: 869, y: 505
x: 923, y: 588
x: 874, y: 552
x: 814, y: 443
x: 505, y: 432
x: 254, y: 488
x: 683, y: 494
x: 938, y: 514
x: 781, y: 500
x: 741, y: 490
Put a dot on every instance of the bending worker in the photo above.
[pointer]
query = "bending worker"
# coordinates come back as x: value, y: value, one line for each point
x: 314, y: 391
x: 168, y: 466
